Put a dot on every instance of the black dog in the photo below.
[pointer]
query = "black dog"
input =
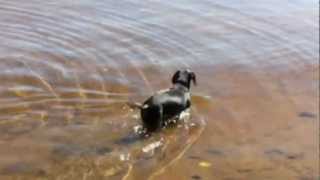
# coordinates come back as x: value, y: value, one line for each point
x: 164, y: 105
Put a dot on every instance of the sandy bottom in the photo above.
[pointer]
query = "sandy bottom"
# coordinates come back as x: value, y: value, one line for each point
x: 246, y: 124
x: 259, y: 126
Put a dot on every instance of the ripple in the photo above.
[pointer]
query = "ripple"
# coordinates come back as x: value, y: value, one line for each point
x: 69, y: 69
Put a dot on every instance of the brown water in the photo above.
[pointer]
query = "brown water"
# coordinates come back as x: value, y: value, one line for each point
x: 69, y: 68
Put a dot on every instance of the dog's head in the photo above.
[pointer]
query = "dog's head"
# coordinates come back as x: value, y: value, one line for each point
x: 184, y: 78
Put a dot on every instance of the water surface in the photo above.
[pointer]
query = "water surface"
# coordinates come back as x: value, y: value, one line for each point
x: 69, y: 68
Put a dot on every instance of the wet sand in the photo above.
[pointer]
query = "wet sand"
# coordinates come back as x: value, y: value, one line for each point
x: 69, y: 69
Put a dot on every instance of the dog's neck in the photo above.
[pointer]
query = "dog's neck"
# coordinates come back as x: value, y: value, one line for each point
x: 180, y: 87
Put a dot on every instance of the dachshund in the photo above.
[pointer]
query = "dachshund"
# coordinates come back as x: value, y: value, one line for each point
x: 164, y: 105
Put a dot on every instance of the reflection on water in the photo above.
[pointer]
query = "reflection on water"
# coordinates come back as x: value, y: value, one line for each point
x: 68, y: 70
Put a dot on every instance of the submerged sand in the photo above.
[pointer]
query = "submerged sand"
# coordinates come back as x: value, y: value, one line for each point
x: 264, y: 126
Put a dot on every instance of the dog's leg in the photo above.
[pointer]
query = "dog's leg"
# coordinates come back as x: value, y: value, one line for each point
x: 184, y: 116
x: 158, y: 118
x: 152, y: 117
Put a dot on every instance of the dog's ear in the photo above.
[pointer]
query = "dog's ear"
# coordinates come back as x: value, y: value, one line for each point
x: 175, y: 77
x: 193, y: 78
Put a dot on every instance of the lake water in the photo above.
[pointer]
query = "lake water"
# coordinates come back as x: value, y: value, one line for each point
x: 68, y: 70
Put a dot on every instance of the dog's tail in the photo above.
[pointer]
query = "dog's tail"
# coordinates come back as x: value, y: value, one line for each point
x: 134, y: 105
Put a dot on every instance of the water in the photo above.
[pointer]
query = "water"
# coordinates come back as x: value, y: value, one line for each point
x: 69, y: 68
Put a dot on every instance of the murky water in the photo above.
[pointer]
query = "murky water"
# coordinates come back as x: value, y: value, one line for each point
x: 69, y: 68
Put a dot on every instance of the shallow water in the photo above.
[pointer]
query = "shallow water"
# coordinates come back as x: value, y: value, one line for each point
x: 68, y: 70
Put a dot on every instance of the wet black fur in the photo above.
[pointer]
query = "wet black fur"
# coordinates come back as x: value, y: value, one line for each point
x: 162, y: 106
